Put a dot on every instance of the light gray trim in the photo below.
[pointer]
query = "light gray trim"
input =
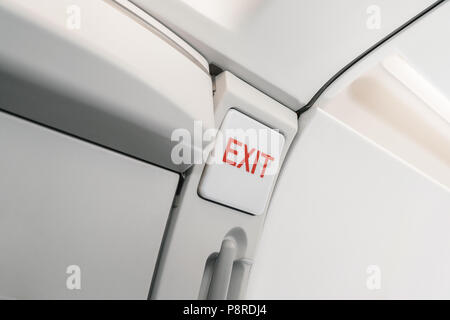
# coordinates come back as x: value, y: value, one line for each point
x: 147, y: 24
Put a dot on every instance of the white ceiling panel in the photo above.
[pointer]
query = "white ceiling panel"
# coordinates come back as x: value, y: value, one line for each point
x: 288, y: 48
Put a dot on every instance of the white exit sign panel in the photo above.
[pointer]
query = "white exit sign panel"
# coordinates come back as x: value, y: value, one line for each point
x: 242, y: 168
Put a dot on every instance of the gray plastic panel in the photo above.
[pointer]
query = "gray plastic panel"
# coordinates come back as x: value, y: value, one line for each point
x: 116, y: 81
x: 66, y: 202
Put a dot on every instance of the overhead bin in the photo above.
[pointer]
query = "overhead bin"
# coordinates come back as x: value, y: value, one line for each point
x: 103, y: 71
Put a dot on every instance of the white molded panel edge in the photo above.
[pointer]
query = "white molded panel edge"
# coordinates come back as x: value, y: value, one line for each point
x: 66, y: 202
x: 198, y: 226
x: 287, y: 49
x: 129, y: 86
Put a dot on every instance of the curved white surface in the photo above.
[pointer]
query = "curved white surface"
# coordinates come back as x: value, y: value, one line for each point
x: 288, y: 48
x: 128, y: 87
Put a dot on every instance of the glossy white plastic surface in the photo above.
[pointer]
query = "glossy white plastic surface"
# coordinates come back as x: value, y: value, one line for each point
x: 287, y: 49
x: 365, y: 186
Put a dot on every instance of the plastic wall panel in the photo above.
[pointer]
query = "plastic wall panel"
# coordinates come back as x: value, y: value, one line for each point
x: 66, y: 202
